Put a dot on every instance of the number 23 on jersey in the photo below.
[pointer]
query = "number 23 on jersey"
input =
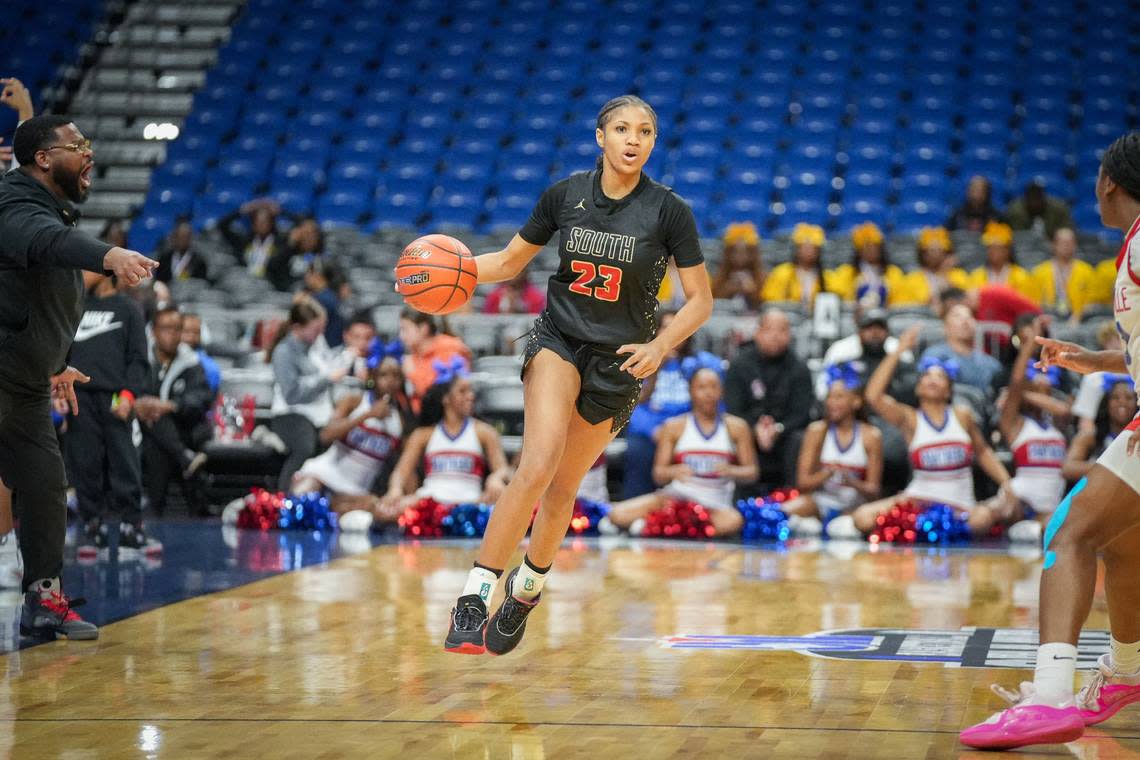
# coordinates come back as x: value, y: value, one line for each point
x: 587, y: 272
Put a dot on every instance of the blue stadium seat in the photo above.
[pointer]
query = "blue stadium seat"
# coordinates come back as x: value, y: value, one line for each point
x: 294, y: 199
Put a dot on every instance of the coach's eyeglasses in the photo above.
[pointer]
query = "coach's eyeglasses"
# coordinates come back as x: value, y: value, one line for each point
x: 83, y: 146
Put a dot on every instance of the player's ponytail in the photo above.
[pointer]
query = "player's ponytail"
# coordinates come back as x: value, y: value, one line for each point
x: 1121, y: 163
x: 607, y: 113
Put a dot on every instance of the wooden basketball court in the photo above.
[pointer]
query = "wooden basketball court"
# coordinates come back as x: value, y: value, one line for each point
x: 639, y: 649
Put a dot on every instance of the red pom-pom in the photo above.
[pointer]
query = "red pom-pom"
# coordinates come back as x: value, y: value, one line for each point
x: 896, y: 525
x: 262, y: 510
x: 424, y: 519
x: 679, y: 519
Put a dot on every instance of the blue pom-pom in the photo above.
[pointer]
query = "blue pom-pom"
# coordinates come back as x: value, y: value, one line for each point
x: 764, y: 520
x: 587, y: 515
x: 308, y: 511
x: 467, y: 520
x: 942, y: 524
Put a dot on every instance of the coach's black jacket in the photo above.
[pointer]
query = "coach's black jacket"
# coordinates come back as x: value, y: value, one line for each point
x: 41, y: 286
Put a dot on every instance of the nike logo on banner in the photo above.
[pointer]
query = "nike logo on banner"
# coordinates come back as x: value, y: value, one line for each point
x: 581, y: 205
x: 86, y: 333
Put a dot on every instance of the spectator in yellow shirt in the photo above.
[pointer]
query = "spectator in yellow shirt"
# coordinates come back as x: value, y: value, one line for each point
x: 800, y: 279
x: 870, y: 278
x: 1001, y: 266
x: 741, y: 273
x: 1066, y: 284
x: 936, y: 271
x: 1104, y: 281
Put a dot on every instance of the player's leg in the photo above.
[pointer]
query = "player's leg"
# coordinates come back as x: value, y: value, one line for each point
x: 1099, y: 510
x: 625, y: 513
x: 550, y: 389
x: 1117, y: 682
x: 524, y: 583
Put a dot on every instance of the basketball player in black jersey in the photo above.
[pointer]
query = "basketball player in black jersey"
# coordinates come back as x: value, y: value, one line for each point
x: 587, y: 354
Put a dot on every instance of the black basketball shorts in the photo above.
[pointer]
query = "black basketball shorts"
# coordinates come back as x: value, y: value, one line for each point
x: 607, y: 392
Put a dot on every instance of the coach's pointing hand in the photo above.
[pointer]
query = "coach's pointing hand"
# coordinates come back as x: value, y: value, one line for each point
x: 129, y: 266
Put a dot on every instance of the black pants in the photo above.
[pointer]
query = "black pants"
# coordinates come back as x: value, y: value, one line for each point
x: 104, y: 462
x: 32, y: 467
x: 165, y: 456
x: 301, y: 436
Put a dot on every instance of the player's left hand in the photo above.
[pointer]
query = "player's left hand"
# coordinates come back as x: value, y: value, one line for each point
x: 1133, y: 442
x: 644, y: 358
x: 63, y: 387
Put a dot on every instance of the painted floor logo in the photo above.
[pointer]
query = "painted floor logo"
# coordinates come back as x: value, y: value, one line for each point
x: 964, y: 648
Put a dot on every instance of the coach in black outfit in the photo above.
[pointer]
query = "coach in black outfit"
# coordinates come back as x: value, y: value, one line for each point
x: 41, y: 302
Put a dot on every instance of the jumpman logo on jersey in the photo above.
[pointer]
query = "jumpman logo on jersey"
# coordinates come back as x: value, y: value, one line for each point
x: 581, y: 205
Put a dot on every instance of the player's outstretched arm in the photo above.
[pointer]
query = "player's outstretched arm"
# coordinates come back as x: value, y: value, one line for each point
x: 1067, y: 355
x: 505, y: 264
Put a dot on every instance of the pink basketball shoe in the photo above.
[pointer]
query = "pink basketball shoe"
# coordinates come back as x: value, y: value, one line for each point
x: 1107, y: 693
x: 1025, y: 723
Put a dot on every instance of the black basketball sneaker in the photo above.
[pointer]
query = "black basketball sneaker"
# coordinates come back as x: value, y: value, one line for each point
x: 507, y: 626
x: 468, y: 624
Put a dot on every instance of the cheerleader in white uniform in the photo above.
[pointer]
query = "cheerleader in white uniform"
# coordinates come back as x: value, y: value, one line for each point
x: 363, y: 437
x: 1038, y: 448
x: 701, y: 456
x: 943, y: 441
x: 841, y: 458
x: 461, y: 457
x: 1116, y: 409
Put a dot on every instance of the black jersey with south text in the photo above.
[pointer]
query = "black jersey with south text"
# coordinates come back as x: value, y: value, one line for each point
x: 612, y: 255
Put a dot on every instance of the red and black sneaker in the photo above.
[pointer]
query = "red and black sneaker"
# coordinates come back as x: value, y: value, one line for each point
x: 49, y: 613
x: 468, y: 623
x: 505, y: 630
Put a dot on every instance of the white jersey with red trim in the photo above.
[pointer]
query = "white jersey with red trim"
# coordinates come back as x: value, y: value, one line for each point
x: 350, y: 466
x: 1126, y: 300
x: 704, y: 455
x: 942, y: 460
x: 454, y: 467
x: 850, y: 463
x: 1039, y: 452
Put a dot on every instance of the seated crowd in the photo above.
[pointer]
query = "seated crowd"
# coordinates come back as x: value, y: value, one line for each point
x: 379, y: 419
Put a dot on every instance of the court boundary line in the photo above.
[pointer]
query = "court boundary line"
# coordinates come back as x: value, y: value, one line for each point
x: 524, y: 724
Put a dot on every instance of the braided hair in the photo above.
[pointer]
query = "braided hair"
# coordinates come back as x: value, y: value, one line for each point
x: 607, y: 113
x: 1121, y: 163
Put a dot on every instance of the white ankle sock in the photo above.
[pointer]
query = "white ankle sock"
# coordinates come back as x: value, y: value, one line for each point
x: 528, y: 583
x: 482, y: 582
x: 1125, y: 657
x: 1056, y: 665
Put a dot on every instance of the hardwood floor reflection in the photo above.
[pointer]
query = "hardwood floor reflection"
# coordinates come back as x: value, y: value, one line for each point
x: 345, y: 660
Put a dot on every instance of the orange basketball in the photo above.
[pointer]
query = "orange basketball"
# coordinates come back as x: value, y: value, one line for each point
x: 436, y: 274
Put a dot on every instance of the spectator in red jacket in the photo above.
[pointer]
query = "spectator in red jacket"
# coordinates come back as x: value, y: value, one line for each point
x: 515, y: 296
